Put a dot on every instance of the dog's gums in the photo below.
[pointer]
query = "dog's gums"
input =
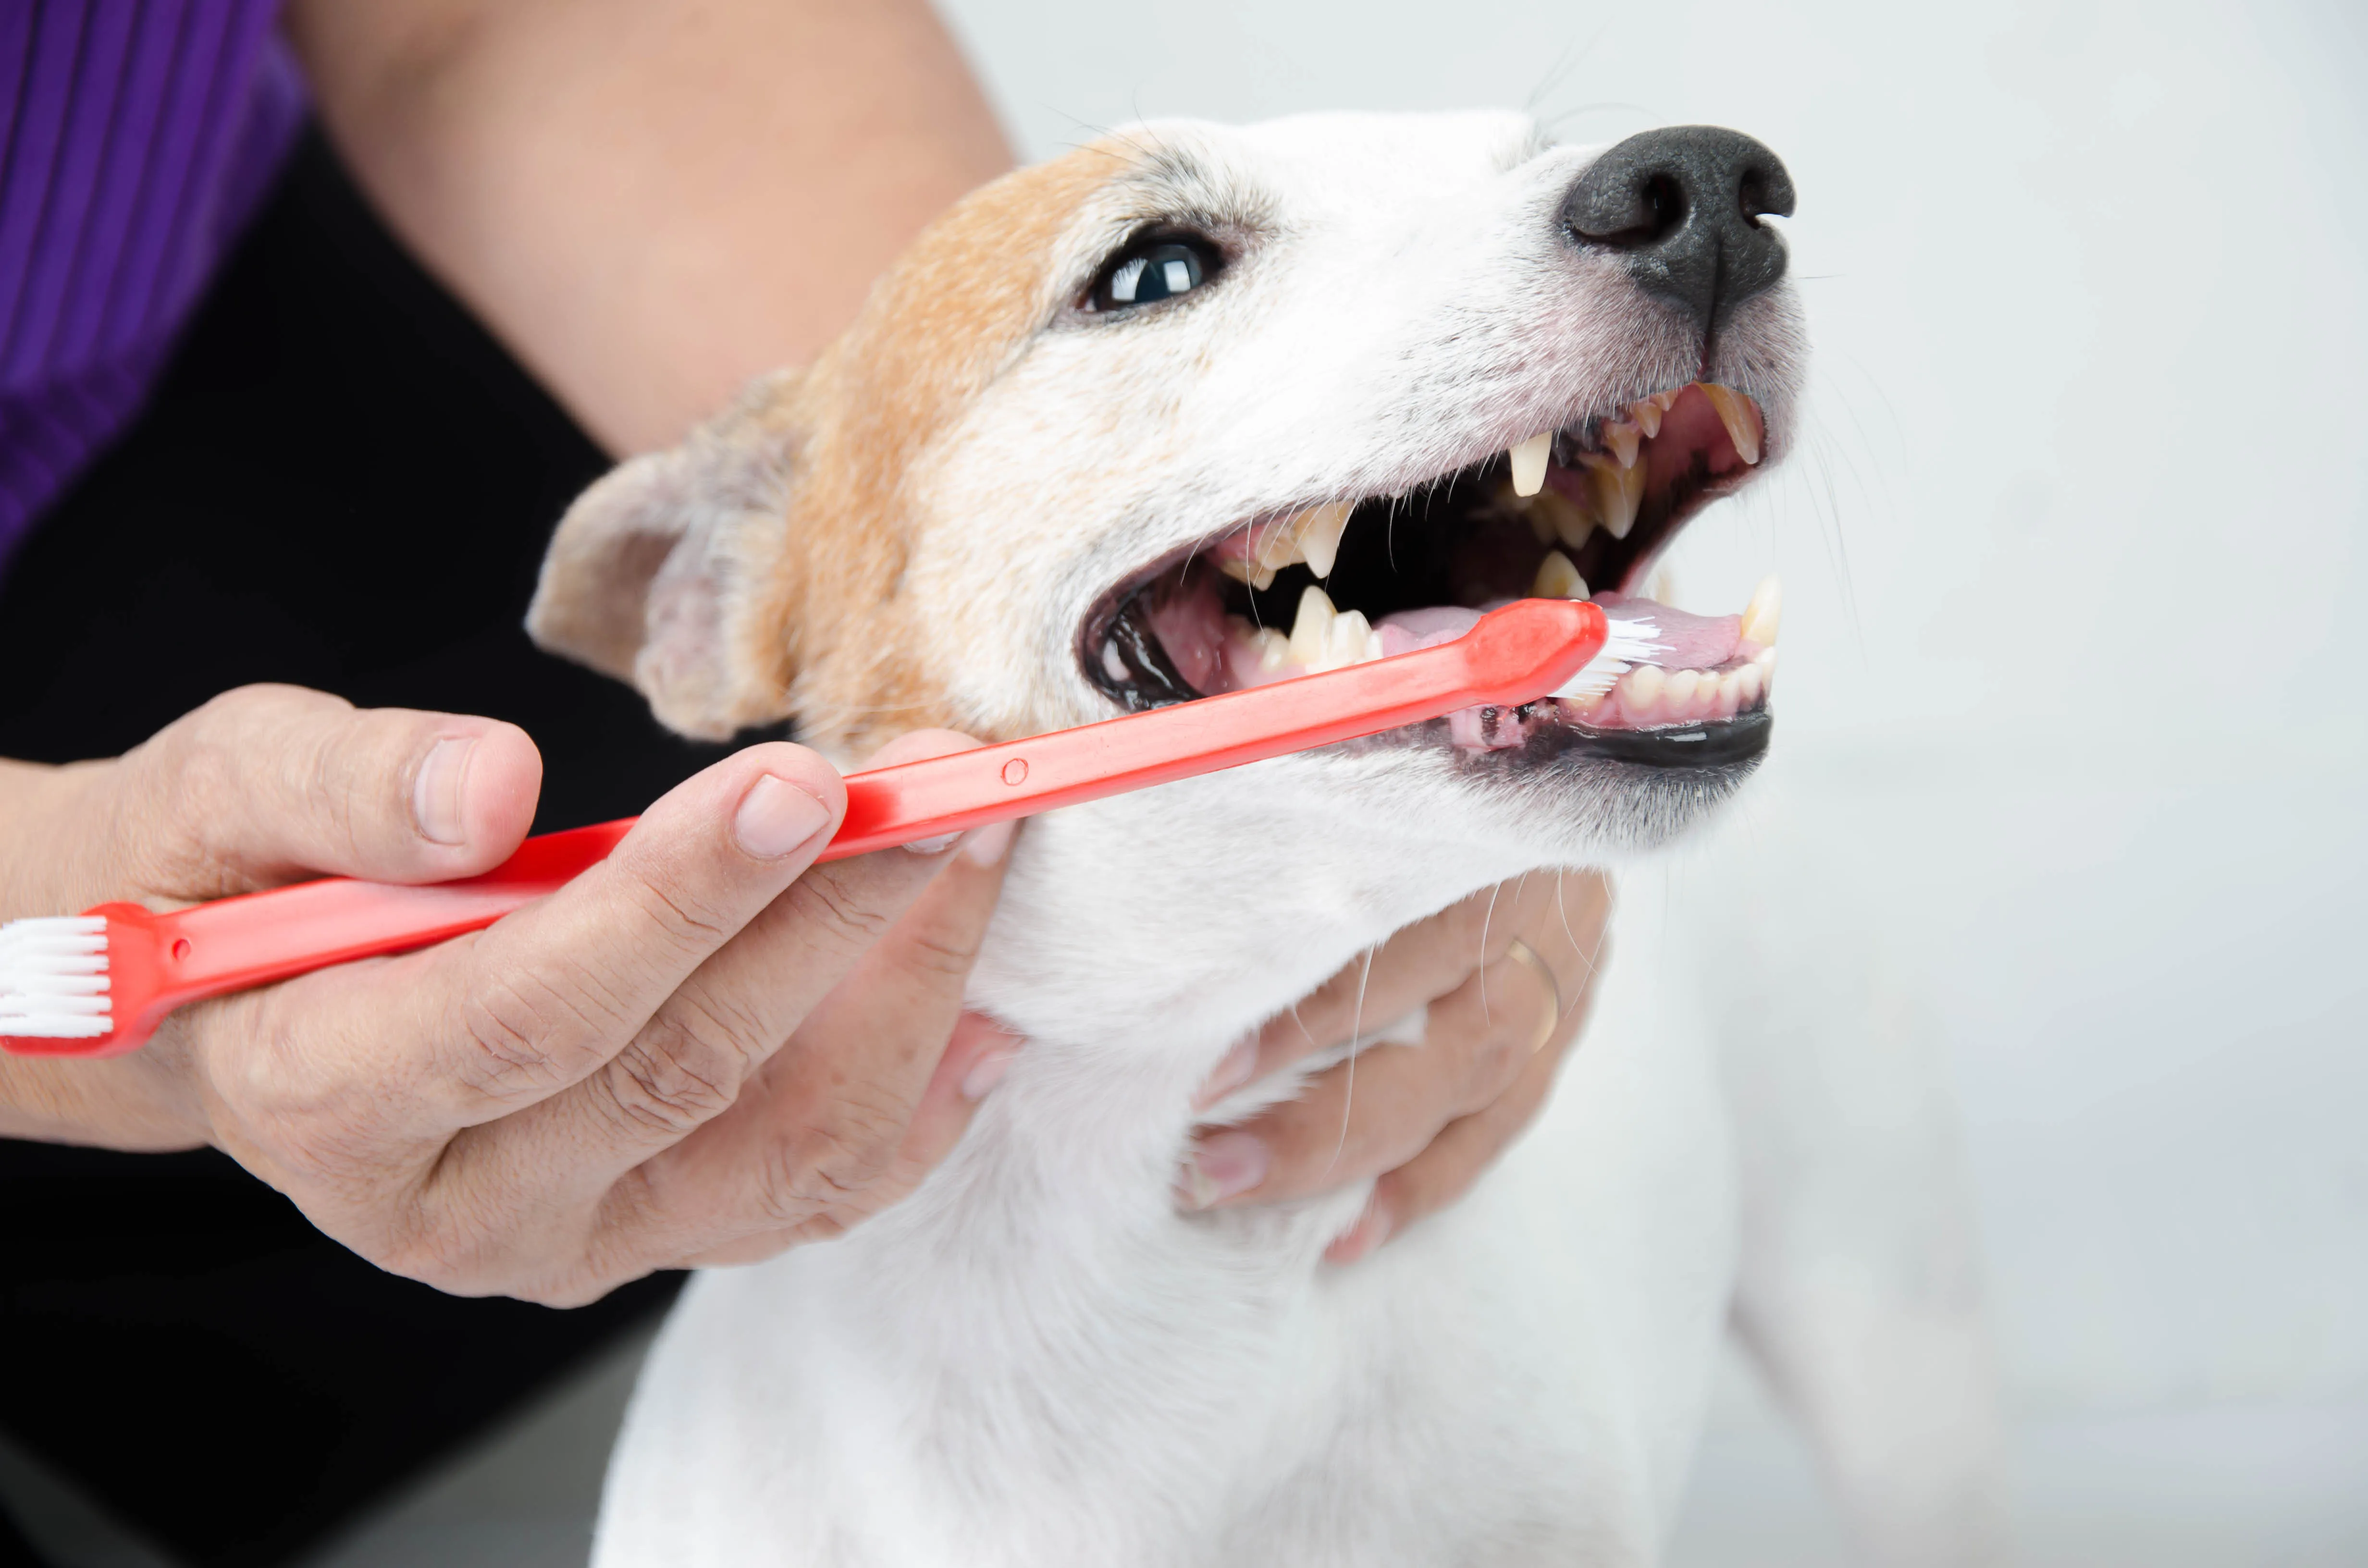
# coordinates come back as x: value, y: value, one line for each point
x: 1339, y: 583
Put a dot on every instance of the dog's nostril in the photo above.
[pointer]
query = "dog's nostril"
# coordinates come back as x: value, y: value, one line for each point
x: 1682, y: 206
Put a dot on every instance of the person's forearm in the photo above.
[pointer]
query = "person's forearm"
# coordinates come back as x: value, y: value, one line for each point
x: 652, y: 200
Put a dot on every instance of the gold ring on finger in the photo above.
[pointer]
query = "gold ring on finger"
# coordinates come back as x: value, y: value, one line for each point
x: 1522, y: 953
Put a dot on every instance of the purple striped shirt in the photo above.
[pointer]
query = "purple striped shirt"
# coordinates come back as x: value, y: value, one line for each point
x: 141, y: 136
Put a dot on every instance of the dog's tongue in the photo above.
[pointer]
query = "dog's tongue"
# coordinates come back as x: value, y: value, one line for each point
x: 1688, y: 641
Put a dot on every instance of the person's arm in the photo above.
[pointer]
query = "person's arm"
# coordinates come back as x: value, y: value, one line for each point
x: 650, y: 201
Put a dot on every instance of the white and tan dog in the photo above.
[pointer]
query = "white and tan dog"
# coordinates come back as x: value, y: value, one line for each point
x: 1106, y: 421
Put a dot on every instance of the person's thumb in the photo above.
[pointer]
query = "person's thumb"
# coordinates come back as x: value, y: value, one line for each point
x: 272, y: 784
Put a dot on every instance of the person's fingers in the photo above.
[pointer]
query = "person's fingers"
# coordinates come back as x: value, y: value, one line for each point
x: 841, y: 1121
x: 975, y: 1061
x: 1572, y: 948
x: 1382, y: 1108
x: 1416, y: 965
x: 270, y: 784
x: 420, y: 1046
x: 1445, y: 1170
x: 874, y: 1013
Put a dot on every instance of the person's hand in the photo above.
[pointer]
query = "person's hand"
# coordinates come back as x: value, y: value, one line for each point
x: 698, y: 1051
x: 1424, y: 1121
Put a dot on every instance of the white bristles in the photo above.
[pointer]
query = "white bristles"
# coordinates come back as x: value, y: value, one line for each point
x: 53, y: 978
x: 1630, y: 644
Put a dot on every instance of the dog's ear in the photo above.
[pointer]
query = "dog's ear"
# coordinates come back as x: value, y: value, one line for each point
x: 651, y: 573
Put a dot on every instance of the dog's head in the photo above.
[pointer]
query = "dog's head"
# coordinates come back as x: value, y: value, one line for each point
x: 1195, y: 407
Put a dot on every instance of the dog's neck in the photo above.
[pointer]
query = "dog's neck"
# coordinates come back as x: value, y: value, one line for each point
x: 1136, y: 940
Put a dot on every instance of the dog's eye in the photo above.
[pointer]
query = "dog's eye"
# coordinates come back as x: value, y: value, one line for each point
x: 1150, y: 271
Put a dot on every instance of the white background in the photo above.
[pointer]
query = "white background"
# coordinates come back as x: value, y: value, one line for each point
x: 2069, y: 700
x: 2073, y: 683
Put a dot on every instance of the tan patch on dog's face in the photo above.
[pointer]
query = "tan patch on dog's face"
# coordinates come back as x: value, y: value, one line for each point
x: 823, y: 626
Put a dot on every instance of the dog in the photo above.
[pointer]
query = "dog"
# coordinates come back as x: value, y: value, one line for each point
x: 1192, y: 408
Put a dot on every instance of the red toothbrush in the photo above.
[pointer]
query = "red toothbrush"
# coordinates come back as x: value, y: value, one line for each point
x: 97, y: 984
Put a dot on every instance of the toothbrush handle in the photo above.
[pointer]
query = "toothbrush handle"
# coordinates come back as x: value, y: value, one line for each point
x: 158, y: 962
x: 1514, y: 654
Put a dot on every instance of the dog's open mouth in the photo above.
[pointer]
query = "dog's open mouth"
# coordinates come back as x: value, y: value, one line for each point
x: 1577, y: 513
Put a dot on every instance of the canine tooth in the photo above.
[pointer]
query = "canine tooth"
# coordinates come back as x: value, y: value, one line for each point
x: 1319, y: 535
x: 1248, y: 571
x: 1734, y: 411
x: 1557, y: 579
x: 1529, y: 461
x: 1619, y: 491
x: 1310, y: 632
x: 1647, y: 415
x: 1765, y: 612
x: 1622, y: 438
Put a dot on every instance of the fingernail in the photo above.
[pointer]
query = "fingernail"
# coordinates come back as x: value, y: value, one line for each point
x: 1230, y: 1074
x: 989, y: 845
x: 932, y: 846
x: 1225, y: 1163
x: 775, y: 817
x: 987, y: 1072
x: 436, y: 793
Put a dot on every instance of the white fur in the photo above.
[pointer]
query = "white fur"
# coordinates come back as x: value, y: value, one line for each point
x: 1036, y: 1360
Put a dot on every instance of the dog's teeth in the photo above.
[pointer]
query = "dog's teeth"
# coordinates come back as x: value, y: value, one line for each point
x: 1749, y: 682
x: 1529, y: 461
x: 1618, y: 493
x: 1764, y: 662
x: 1250, y: 571
x: 1640, y: 690
x: 1350, y: 635
x: 1555, y: 518
x: 1622, y: 438
x: 1111, y: 663
x: 1734, y: 414
x: 1277, y: 547
x: 1273, y: 648
x: 1647, y: 415
x: 1319, y: 529
x: 1764, y: 613
x: 1677, y: 692
x: 1557, y: 579
x: 1311, y: 633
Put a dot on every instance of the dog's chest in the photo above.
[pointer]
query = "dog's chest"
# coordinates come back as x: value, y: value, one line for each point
x: 1037, y: 1360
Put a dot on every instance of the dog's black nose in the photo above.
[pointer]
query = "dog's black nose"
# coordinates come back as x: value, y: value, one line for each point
x: 1683, y: 205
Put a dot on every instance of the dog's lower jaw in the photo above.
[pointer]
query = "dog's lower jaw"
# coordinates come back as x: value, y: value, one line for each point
x: 1038, y: 1360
